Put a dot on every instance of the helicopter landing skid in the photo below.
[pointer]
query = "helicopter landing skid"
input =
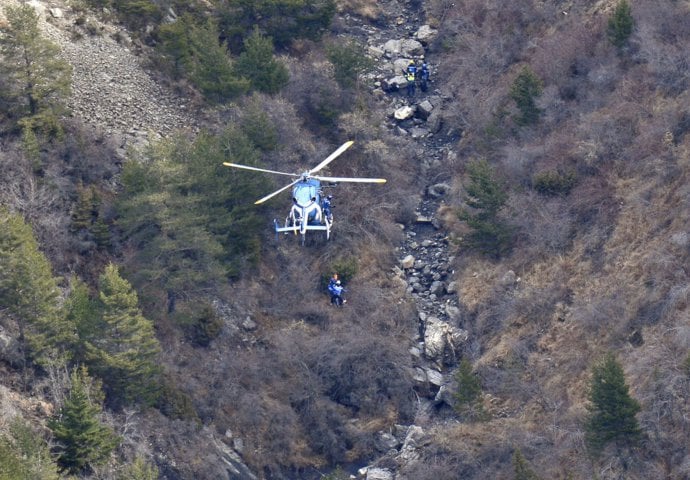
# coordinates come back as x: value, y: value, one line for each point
x: 296, y: 229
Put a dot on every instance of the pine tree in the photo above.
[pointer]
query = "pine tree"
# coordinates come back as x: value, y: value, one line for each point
x: 524, y: 91
x: 611, y: 410
x: 521, y: 467
x: 24, y: 455
x: 82, y: 439
x: 85, y: 210
x: 139, y: 470
x: 468, y: 396
x: 209, y: 66
x: 620, y: 25
x: 486, y: 196
x: 349, y: 62
x: 257, y: 63
x: 123, y: 349
x: 39, y: 78
x: 30, y: 293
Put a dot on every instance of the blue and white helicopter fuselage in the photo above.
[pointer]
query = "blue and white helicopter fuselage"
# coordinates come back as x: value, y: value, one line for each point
x: 307, y: 211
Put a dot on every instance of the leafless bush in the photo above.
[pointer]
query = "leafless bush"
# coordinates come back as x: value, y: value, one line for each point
x: 546, y: 226
x: 604, y: 312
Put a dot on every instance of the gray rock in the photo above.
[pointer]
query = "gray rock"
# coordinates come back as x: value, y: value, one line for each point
x: 411, y: 48
x: 425, y: 34
x: 442, y: 340
x: 9, y: 349
x: 56, y: 13
x: 453, y: 312
x: 376, y: 51
x: 400, y: 66
x: 403, y: 113
x: 424, y: 109
x: 452, y: 287
x: 434, y: 376
x: 437, y: 288
x: 393, y: 47
x: 419, y: 132
x: 445, y: 395
x: 386, y: 442
x: 249, y: 324
x: 509, y: 278
x: 415, y: 439
x: 434, y: 122
x: 379, y: 474
x: 438, y: 190
x: 407, y: 262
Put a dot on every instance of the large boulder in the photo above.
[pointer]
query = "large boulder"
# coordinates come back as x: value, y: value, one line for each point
x: 392, y: 47
x: 424, y: 109
x: 442, y: 341
x: 411, y: 48
x: 403, y: 113
x: 425, y: 34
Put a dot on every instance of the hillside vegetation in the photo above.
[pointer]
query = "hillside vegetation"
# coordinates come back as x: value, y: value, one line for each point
x: 151, y: 326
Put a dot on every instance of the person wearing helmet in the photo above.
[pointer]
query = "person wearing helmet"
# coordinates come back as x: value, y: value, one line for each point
x: 335, y: 288
x: 424, y: 77
x: 411, y: 76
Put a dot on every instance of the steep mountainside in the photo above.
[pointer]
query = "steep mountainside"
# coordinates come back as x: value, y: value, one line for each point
x: 586, y: 252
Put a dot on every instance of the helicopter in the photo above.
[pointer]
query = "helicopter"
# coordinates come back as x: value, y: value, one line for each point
x: 310, y: 209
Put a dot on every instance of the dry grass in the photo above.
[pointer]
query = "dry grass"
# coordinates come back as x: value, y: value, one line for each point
x: 368, y: 9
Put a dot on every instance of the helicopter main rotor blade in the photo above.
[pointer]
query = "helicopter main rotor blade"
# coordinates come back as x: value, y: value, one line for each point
x: 256, y: 169
x: 331, y: 157
x: 350, y: 179
x: 271, y: 195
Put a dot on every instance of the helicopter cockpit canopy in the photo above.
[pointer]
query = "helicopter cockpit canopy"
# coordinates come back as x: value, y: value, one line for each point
x: 305, y: 193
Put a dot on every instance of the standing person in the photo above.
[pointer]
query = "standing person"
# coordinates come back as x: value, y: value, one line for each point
x: 327, y: 214
x: 411, y: 76
x: 424, y: 77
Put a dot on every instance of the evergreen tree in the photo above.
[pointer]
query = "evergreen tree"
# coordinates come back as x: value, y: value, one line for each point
x: 524, y: 91
x: 175, y: 43
x: 30, y: 293
x: 349, y: 62
x: 621, y: 24
x: 611, y: 409
x: 468, y: 396
x: 258, y: 127
x: 521, y: 467
x: 210, y: 68
x: 257, y: 63
x: 139, y: 470
x: 486, y: 196
x: 86, y: 209
x: 188, y: 216
x: 24, y: 455
x: 82, y: 439
x: 282, y: 20
x: 82, y: 311
x: 123, y: 350
x: 39, y: 78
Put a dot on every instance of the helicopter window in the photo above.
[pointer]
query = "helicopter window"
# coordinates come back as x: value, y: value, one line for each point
x: 304, y: 195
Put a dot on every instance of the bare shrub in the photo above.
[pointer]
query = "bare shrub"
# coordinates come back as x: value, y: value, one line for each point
x: 546, y: 226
